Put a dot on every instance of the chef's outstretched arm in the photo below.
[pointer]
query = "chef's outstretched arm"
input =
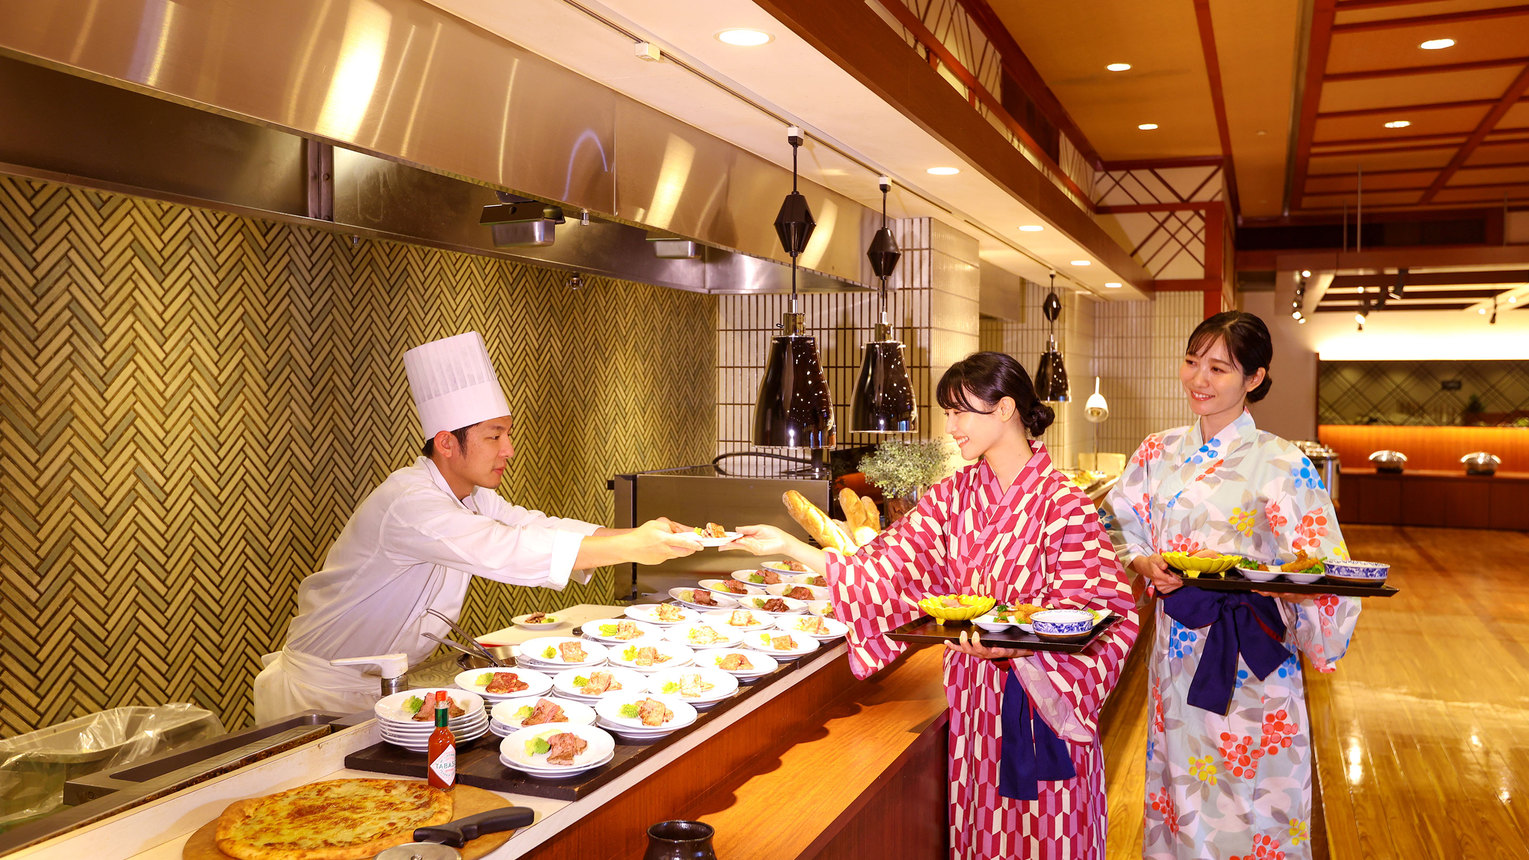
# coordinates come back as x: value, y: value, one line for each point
x: 650, y: 543
x: 769, y: 540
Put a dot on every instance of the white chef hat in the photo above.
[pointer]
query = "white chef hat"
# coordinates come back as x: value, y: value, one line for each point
x: 453, y: 383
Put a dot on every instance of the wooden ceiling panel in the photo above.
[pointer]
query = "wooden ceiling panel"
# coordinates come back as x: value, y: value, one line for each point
x: 1359, y: 11
x: 1516, y: 152
x: 1397, y: 47
x: 1349, y: 182
x: 1425, y: 120
x: 1495, y: 195
x: 1329, y: 164
x: 1417, y: 89
x: 1338, y: 201
x: 1257, y: 76
x: 1514, y: 175
x: 1516, y: 117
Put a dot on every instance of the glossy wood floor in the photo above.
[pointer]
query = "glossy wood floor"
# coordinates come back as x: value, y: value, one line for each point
x: 1422, y: 733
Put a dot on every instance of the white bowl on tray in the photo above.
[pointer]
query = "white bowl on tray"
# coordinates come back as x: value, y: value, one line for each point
x: 1360, y: 572
x: 1256, y: 575
x: 1062, y: 623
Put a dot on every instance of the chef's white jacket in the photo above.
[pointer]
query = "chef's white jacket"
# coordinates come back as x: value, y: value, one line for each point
x: 411, y: 545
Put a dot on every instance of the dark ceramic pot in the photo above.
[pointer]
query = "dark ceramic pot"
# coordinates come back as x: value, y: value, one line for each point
x: 680, y: 840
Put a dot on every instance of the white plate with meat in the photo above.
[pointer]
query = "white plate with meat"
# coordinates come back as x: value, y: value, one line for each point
x: 560, y: 652
x: 796, y: 591
x: 593, y: 684
x: 742, y: 620
x: 819, y: 628
x: 772, y: 605
x: 741, y: 663
x: 498, y: 684
x: 619, y: 631
x: 662, y: 614
x: 759, y: 577
x: 730, y: 587
x: 541, y: 751
x: 524, y: 712
x: 701, y: 599
x: 786, y: 567
x: 781, y: 643
x: 651, y: 655
x: 537, y: 621
x: 644, y: 714
x: 415, y: 709
x: 702, y: 635
x: 698, y: 685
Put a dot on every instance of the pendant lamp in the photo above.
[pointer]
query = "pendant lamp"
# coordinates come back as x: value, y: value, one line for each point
x: 793, y: 409
x: 883, y: 401
x: 1051, y: 375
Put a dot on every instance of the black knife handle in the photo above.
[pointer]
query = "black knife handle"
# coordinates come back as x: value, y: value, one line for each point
x: 463, y: 830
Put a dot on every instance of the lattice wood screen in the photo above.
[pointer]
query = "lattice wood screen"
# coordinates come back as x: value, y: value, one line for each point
x: 192, y: 403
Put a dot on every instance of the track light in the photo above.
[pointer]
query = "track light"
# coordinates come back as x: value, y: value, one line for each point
x: 1395, y: 290
x: 1493, y: 320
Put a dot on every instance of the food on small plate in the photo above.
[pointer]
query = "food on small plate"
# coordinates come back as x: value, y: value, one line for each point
x: 782, y: 643
x: 712, y: 530
x: 358, y: 818
x: 699, y: 597
x: 1302, y: 563
x: 424, y: 710
x: 532, y: 621
x: 645, y: 656
x: 824, y: 608
x: 787, y: 566
x: 597, y: 683
x: 690, y: 685
x: 669, y: 613
x: 536, y: 618
x: 732, y: 587
x: 503, y: 683
x: 560, y: 748
x: 734, y: 663
x: 813, y: 625
x: 702, y: 634
x: 956, y: 607
x: 774, y: 604
x: 758, y: 577
x: 572, y: 652
x: 544, y: 711
x: 742, y: 618
x: 650, y: 712
x: 799, y: 592
x: 621, y: 630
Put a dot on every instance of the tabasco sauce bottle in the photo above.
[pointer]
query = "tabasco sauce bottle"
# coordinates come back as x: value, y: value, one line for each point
x: 441, y: 758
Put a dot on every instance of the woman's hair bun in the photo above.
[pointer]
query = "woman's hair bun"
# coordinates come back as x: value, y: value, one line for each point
x: 1039, y: 418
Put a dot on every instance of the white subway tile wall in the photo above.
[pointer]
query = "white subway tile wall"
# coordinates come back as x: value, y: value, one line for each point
x: 1137, y: 350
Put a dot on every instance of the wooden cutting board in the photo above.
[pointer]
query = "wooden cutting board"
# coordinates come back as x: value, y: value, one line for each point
x: 466, y: 800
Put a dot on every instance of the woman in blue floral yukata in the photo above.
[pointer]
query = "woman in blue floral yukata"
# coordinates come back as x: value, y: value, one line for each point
x: 1228, y: 746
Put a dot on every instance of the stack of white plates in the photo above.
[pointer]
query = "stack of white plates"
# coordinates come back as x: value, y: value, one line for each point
x: 673, y: 682
x: 666, y: 654
x: 566, y: 683
x: 545, y: 655
x: 759, y: 664
x: 477, y: 680
x: 703, y: 635
x: 686, y: 597
x: 781, y: 644
x: 799, y: 625
x: 514, y: 752
x: 506, y: 717
x: 662, y: 614
x: 723, y: 619
x: 609, y: 716
x: 396, y: 718
x: 612, y: 631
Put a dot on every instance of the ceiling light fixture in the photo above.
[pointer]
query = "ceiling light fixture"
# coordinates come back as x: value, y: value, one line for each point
x: 1112, y: 285
x: 1305, y: 273
x: 794, y: 409
x: 1395, y: 290
x: 943, y: 171
x: 1437, y: 44
x: 1399, y: 123
x: 1051, y: 373
x: 1081, y: 262
x: 883, y: 400
x: 1148, y: 126
x: 1030, y: 228
x: 743, y: 37
x: 1119, y: 67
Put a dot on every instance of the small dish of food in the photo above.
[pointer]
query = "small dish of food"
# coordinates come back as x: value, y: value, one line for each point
x: 702, y: 599
x: 795, y: 591
x: 537, y: 621
x: 714, y: 535
x: 699, y: 685
x: 651, y: 655
x: 555, y: 750
x: 1003, y: 617
x: 644, y: 713
x: 743, y: 620
x: 781, y: 643
x: 956, y: 607
x: 772, y: 605
x: 730, y: 587
x: 1361, y: 572
x: 702, y: 635
x: 819, y: 628
x: 759, y: 576
x: 522, y: 712
x: 1062, y: 623
x: 662, y: 614
x: 1255, y: 571
x: 561, y: 652
x: 738, y: 662
x: 786, y: 566
x: 1194, y: 565
x: 495, y: 684
x: 821, y: 608
x: 619, y: 630
x: 589, y: 684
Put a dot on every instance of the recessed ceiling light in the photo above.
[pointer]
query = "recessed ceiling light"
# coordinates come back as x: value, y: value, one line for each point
x: 745, y: 38
x: 944, y: 171
x: 1119, y: 67
x: 1399, y: 123
x: 1112, y: 285
x: 1082, y: 263
x: 1030, y: 228
x: 1437, y: 44
x: 1481, y: 311
x: 1148, y: 126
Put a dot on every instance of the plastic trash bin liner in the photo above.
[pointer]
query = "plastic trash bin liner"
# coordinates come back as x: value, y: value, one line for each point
x: 34, y: 766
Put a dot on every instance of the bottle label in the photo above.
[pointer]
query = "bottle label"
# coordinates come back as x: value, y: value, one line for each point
x: 444, y: 767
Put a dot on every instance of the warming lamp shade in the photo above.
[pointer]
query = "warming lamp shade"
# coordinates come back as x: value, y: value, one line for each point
x: 1051, y: 375
x: 794, y: 409
x: 883, y: 400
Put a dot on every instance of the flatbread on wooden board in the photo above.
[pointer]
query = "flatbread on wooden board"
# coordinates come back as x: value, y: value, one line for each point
x: 467, y: 800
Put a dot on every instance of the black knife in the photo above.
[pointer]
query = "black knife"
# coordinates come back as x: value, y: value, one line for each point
x: 463, y: 830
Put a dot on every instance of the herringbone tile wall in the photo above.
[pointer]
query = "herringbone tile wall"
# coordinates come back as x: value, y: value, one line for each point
x: 193, y: 402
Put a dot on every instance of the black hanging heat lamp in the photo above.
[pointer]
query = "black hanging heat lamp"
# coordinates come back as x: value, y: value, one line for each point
x: 883, y: 401
x: 1051, y: 375
x: 794, y: 409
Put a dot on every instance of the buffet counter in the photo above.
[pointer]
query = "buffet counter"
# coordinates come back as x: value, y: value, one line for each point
x: 810, y: 765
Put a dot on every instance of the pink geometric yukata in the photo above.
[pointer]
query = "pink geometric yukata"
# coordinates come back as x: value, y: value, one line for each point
x: 1038, y: 542
x: 1234, y: 785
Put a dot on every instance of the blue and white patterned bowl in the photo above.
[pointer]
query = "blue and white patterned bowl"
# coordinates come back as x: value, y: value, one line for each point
x: 1062, y: 623
x: 1371, y: 572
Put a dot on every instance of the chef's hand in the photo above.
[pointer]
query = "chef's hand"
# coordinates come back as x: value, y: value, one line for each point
x: 659, y: 540
x: 1155, y: 570
x: 675, y: 527
x: 975, y: 648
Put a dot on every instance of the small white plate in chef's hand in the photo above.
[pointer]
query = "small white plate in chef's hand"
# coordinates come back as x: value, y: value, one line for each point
x: 723, y: 619
x: 548, y: 621
x: 686, y: 596
x: 727, y: 537
x: 724, y: 587
x: 661, y: 614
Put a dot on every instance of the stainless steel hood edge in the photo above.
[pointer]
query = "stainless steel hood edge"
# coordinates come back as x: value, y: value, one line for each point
x: 401, y: 81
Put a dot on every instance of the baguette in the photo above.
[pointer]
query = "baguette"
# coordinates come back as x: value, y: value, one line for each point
x: 870, y: 514
x: 853, y: 515
x: 825, y: 531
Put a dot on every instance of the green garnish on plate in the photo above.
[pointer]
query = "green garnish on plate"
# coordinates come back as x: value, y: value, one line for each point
x: 538, y: 746
x: 629, y: 711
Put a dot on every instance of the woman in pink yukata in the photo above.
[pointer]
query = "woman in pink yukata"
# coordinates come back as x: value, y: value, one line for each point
x: 1026, y: 769
x: 1228, y: 749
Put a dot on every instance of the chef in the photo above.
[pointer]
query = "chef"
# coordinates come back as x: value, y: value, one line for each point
x: 417, y: 540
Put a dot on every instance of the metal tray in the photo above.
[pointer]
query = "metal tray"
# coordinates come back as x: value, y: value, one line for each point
x: 1232, y: 581
x: 926, y: 630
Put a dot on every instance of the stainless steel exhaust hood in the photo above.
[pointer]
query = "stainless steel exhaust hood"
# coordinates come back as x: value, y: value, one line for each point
x: 439, y: 117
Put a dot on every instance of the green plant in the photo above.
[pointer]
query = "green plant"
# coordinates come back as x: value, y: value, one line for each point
x: 1474, y: 404
x: 901, y: 469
